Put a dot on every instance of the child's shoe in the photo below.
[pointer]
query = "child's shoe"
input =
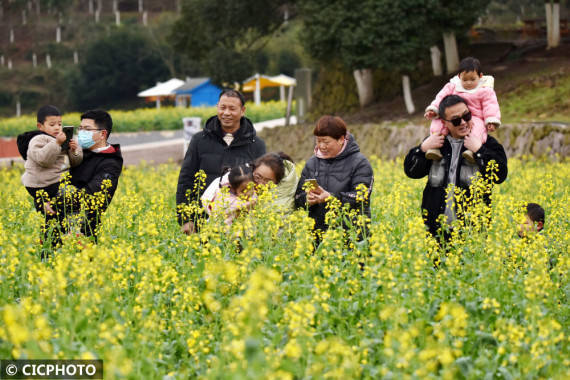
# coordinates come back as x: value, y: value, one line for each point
x: 469, y: 156
x: 434, y: 154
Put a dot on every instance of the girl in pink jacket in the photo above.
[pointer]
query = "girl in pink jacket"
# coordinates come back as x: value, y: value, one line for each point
x: 477, y: 90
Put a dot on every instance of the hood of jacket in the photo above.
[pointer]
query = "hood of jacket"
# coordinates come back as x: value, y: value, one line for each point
x: 23, y: 141
x: 245, y: 133
x: 285, y: 190
x: 116, y: 154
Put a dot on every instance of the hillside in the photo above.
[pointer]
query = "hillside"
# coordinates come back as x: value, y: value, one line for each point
x: 533, y: 87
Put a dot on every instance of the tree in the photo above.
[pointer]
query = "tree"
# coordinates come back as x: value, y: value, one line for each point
x: 449, y: 18
x: 116, y: 68
x: 366, y: 35
x: 225, y: 36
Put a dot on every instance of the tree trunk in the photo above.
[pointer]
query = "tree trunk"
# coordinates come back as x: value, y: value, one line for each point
x: 48, y: 61
x: 141, y: 6
x: 555, y: 24
x: 451, y: 54
x: 24, y: 18
x: 18, y: 108
x: 436, y: 61
x: 91, y: 9
x: 34, y: 60
x: 12, y: 37
x: 408, y: 94
x: 118, y: 18
x: 2, y: 60
x: 363, y: 78
x: 76, y: 57
x: 548, y: 10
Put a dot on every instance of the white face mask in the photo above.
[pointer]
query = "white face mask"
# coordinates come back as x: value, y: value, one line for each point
x: 85, y: 139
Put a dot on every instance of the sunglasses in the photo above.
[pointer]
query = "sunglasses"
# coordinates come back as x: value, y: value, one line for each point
x: 456, y: 121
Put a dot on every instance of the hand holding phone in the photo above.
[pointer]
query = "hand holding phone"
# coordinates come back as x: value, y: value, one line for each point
x: 311, y: 184
x: 68, y: 130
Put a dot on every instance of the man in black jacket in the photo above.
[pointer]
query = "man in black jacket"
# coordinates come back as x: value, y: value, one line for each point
x: 452, y: 169
x: 96, y: 178
x: 228, y: 139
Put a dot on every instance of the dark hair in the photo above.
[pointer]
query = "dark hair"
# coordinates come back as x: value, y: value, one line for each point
x: 535, y: 212
x: 102, y: 119
x: 46, y: 111
x: 239, y: 174
x: 449, y: 101
x: 332, y: 126
x: 469, y: 64
x: 232, y: 94
x: 274, y: 161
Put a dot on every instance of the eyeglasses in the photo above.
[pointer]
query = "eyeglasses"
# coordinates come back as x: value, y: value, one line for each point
x: 89, y: 129
x: 456, y: 121
x: 258, y: 178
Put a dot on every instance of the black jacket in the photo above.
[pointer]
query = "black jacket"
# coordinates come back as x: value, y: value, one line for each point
x: 209, y: 152
x: 339, y: 176
x: 89, y: 177
x: 433, y: 200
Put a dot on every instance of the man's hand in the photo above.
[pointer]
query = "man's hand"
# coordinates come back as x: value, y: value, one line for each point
x: 491, y: 127
x: 430, y: 115
x: 435, y: 141
x: 472, y: 142
x: 318, y: 195
x: 73, y: 145
x: 60, y: 138
x: 188, y: 228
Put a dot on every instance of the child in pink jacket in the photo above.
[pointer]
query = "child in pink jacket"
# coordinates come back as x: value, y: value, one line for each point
x: 477, y: 90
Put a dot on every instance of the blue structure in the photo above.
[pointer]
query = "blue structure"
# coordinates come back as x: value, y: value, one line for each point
x: 200, y: 91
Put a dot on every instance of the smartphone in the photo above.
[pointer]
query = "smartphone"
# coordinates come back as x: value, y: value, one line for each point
x: 68, y: 130
x: 313, y: 182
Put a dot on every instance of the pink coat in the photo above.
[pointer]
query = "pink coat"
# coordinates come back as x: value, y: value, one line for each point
x: 482, y: 102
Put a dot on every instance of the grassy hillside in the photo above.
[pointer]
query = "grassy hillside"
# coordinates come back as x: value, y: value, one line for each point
x: 534, y: 88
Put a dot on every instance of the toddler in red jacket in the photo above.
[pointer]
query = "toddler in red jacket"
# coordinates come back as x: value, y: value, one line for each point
x: 477, y: 90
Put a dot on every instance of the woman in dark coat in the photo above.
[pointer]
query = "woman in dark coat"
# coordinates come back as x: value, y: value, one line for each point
x: 338, y: 168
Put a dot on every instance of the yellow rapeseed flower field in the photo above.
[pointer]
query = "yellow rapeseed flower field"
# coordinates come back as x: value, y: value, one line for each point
x: 258, y: 301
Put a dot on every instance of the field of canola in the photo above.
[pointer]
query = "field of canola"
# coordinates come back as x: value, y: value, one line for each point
x: 257, y: 302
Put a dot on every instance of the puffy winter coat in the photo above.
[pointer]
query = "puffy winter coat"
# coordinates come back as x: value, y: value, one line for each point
x: 339, y: 176
x: 433, y: 201
x: 482, y: 100
x: 209, y: 152
x: 45, y: 161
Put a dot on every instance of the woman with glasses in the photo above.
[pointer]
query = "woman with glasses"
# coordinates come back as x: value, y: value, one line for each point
x: 279, y: 169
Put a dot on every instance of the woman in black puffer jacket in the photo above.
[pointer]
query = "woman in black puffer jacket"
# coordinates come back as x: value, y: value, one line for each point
x: 338, y: 167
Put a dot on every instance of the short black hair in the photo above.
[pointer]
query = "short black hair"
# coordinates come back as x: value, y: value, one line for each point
x: 46, y: 111
x: 535, y: 212
x: 470, y: 64
x: 449, y: 101
x: 233, y: 94
x: 102, y: 119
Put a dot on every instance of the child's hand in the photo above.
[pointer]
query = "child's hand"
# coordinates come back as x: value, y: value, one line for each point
x: 60, y: 138
x: 430, y: 115
x: 73, y: 145
x: 491, y: 127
